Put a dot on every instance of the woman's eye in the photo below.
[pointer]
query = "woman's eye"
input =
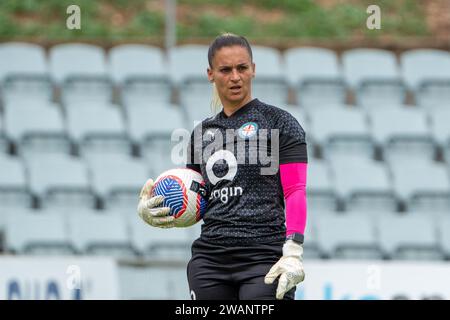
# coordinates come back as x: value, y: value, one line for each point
x: 225, y: 70
x: 242, y: 68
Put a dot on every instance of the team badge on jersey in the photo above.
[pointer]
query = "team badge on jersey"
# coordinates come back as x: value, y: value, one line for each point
x: 248, y: 130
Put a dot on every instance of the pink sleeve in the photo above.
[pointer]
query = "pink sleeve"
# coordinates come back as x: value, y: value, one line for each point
x: 293, y: 180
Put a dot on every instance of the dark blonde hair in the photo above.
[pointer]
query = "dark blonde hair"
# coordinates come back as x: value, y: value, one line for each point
x: 225, y: 40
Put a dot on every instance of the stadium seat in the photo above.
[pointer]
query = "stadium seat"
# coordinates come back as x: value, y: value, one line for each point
x: 269, y: 84
x: 422, y: 184
x: 402, y: 132
x: 408, y: 237
x: 363, y: 184
x: 188, y: 65
x: 347, y: 236
x: 440, y: 129
x: 194, y: 231
x: 311, y: 248
x: 157, y: 120
x: 4, y: 143
x: 37, y: 233
x: 341, y: 131
x: 24, y: 73
x: 14, y: 191
x: 154, y: 282
x: 98, y: 129
x: 315, y: 75
x: 158, y: 153
x: 116, y: 178
x: 320, y: 190
x: 80, y: 71
x: 60, y: 181
x: 157, y: 243
x: 427, y: 73
x: 36, y: 127
x: 111, y: 239
x: 374, y: 76
x: 142, y: 74
x: 444, y: 234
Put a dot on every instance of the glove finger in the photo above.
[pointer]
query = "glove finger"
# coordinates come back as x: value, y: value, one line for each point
x: 145, y: 191
x: 159, y: 212
x: 273, y: 273
x: 163, y: 221
x: 283, y: 284
x: 146, y: 217
x: 154, y: 201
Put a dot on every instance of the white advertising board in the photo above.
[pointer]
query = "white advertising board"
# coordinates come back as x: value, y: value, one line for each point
x: 67, y: 278
x: 385, y: 280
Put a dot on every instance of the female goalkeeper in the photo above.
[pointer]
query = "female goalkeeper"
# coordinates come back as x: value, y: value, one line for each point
x: 250, y: 245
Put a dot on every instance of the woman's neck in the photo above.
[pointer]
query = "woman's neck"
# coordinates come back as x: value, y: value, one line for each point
x: 229, y: 109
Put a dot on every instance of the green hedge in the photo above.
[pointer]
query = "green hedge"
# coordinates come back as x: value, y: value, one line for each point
x: 116, y: 20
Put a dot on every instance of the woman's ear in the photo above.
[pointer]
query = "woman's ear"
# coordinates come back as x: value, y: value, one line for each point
x: 254, y: 70
x: 210, y: 75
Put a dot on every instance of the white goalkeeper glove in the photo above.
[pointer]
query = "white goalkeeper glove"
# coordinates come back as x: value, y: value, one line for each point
x: 289, y: 268
x: 149, y: 210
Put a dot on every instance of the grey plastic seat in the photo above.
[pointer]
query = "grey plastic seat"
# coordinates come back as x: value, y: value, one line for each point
x: 81, y: 72
x: 319, y: 189
x: 444, y: 234
x: 14, y: 191
x: 427, y: 73
x: 165, y: 283
x: 341, y: 130
x: 315, y: 75
x: 195, y: 231
x: 408, y: 237
x: 440, y: 129
x: 60, y: 181
x: 32, y: 232
x: 160, y: 153
x: 24, y: 73
x: 40, y: 131
x: 4, y: 143
x: 138, y: 121
x: 363, y: 184
x: 157, y: 243
x: 142, y: 73
x: 188, y: 65
x: 374, y: 76
x: 117, y: 176
x: 347, y: 236
x: 402, y: 132
x: 98, y: 129
x: 111, y: 239
x: 311, y: 248
x: 421, y: 184
x: 270, y: 84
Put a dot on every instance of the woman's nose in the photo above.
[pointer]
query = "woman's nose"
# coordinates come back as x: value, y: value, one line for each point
x: 235, y: 75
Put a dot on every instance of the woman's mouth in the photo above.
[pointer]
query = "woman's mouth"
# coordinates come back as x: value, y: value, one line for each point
x: 235, y: 89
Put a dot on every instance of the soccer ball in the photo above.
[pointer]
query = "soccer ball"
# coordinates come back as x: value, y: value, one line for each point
x: 184, y: 193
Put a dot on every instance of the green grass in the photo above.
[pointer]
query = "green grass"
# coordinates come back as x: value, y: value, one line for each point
x: 204, y: 19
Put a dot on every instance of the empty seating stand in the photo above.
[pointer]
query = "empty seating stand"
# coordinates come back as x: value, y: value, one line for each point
x: 141, y: 72
x: 80, y: 72
x: 374, y: 76
x: 315, y: 76
x: 24, y: 73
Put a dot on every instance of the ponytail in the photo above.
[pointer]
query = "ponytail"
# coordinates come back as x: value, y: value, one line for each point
x: 216, y: 104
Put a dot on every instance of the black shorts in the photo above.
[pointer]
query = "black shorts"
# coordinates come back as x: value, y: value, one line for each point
x: 221, y: 272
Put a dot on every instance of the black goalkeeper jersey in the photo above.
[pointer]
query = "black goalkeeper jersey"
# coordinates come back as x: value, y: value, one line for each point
x: 239, y: 157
